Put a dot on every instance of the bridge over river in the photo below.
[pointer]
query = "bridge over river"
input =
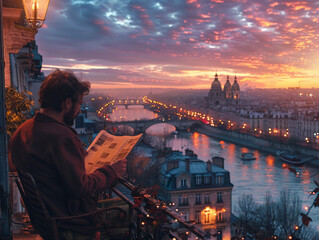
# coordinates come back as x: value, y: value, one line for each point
x: 128, y: 102
x: 140, y: 126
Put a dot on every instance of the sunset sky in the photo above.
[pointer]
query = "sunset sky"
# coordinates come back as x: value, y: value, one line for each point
x: 182, y: 43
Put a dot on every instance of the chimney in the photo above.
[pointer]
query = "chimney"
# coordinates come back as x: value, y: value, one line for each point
x: 209, y: 166
x: 188, y: 152
x: 218, y: 161
x: 187, y: 161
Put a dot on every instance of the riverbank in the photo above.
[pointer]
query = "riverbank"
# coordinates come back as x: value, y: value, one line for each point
x: 258, y: 143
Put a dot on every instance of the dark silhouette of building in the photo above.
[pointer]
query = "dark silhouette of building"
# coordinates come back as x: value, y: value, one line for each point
x: 218, y: 97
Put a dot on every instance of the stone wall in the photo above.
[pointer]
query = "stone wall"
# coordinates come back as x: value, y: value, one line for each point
x: 257, y: 143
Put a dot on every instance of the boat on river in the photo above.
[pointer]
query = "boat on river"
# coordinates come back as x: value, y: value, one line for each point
x: 289, y: 158
x: 248, y: 156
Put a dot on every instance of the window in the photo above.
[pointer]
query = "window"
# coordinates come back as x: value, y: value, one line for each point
x: 197, y: 217
x: 207, y: 216
x: 198, y: 200
x: 206, y: 180
x: 183, y: 200
x: 198, y: 180
x: 219, y: 197
x: 220, y: 217
x: 183, y: 183
x: 207, y: 198
x: 220, y: 179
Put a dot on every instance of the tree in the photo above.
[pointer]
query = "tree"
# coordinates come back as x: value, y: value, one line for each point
x: 18, y: 107
x: 266, y: 217
x: 288, y: 212
x: 135, y: 164
x: 246, y: 212
x: 158, y: 142
x: 281, y: 217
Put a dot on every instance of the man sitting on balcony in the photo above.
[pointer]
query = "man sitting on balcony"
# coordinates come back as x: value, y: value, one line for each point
x: 50, y: 150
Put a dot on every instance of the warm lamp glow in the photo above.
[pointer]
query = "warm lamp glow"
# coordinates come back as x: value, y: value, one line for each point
x: 35, y: 11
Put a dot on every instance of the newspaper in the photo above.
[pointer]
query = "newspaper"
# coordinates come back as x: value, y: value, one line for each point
x: 107, y: 149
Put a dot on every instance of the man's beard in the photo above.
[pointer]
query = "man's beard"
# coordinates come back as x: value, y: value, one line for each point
x: 69, y: 117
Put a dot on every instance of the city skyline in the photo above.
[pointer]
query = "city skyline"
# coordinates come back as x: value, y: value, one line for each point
x: 182, y: 44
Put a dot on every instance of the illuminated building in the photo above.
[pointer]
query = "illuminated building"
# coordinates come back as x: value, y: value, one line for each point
x: 200, y: 191
x: 218, y: 97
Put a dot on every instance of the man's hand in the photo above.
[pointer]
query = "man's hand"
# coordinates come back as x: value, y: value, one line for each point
x: 120, y: 167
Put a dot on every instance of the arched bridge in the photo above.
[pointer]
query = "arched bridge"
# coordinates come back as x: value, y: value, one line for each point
x: 127, y: 102
x: 140, y: 126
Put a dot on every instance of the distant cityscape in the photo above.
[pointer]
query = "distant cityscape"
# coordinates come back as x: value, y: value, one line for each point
x: 287, y: 112
x: 232, y: 161
x: 200, y: 191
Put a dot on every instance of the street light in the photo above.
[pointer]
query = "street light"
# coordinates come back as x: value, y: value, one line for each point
x: 35, y: 13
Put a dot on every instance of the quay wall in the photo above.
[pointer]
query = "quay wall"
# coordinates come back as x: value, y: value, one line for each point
x: 247, y: 140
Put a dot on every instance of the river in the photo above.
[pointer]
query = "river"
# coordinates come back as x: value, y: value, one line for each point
x: 258, y: 177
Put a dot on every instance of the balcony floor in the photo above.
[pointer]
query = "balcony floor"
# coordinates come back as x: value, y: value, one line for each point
x: 26, y: 236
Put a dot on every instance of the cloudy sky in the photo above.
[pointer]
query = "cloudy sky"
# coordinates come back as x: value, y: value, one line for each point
x: 182, y: 43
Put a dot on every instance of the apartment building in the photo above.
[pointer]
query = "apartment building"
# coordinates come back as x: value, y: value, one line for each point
x: 199, y: 191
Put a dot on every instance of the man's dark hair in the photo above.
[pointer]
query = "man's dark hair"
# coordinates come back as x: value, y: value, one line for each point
x: 60, y: 85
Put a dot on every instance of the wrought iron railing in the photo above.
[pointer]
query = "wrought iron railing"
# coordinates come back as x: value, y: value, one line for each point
x: 152, y: 210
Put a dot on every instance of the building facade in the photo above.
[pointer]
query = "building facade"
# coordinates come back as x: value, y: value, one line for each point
x: 199, y: 191
x: 22, y: 66
x: 227, y: 96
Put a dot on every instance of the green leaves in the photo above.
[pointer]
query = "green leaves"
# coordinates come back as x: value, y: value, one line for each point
x: 18, y: 107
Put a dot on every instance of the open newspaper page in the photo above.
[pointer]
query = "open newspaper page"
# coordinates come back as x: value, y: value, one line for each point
x: 107, y: 149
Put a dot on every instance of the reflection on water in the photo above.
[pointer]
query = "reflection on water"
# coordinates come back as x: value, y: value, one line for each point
x: 133, y: 112
x: 258, y: 177
x: 160, y: 129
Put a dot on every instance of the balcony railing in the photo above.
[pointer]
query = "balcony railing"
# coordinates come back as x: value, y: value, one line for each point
x: 152, y: 204
x: 149, y: 211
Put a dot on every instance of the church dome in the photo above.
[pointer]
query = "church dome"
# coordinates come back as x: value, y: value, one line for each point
x: 227, y: 85
x: 235, y: 86
x: 216, y: 86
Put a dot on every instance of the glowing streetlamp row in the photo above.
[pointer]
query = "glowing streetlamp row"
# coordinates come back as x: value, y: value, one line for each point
x: 205, y: 118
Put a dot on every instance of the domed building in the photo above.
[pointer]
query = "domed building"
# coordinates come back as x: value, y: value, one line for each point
x: 235, y: 89
x: 215, y: 95
x: 218, y: 97
x: 227, y: 89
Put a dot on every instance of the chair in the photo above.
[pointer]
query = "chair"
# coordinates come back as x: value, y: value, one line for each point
x: 45, y: 225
